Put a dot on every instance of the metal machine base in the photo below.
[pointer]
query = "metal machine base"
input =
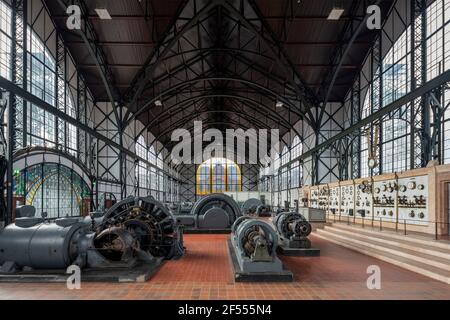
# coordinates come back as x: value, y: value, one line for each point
x: 199, y: 231
x: 139, y: 273
x: 241, y: 276
x: 298, y: 252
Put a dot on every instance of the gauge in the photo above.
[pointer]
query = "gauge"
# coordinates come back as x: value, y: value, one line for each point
x: 377, y: 190
x: 411, y: 185
x: 402, y: 188
x: 383, y: 187
x: 420, y: 187
x: 372, y: 163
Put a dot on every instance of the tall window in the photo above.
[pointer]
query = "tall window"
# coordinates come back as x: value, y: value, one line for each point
x: 40, y: 127
x: 218, y: 175
x: 71, y: 130
x: 41, y: 83
x: 296, y: 168
x: 141, y: 168
x: 276, y: 167
x: 285, y: 156
x: 160, y: 165
x: 5, y: 40
x: 153, y: 177
x: 396, y: 79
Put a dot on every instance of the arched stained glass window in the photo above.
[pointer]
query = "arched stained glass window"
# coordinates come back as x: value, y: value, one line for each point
x: 218, y: 175
x: 52, y: 188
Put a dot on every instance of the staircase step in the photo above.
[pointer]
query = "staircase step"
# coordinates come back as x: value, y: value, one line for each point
x: 421, y: 241
x: 404, y: 244
x: 411, y: 265
x: 408, y: 254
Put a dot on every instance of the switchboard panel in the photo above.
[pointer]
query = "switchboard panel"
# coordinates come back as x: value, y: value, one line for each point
x: 412, y: 200
x: 363, y: 199
x: 323, y: 197
x: 314, y: 198
x: 334, y: 199
x: 347, y: 200
x: 384, y: 195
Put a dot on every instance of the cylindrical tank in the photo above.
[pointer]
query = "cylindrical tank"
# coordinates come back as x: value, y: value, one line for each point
x: 41, y: 245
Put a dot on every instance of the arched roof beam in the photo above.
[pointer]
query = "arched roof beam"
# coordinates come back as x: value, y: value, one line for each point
x: 209, y: 96
x: 191, y: 128
x: 180, y: 122
x: 176, y: 87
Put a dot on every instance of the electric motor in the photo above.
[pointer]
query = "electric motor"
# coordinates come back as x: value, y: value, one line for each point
x: 292, y: 224
x: 215, y: 211
x: 150, y: 222
x: 250, y: 206
x: 263, y: 211
x: 255, y: 239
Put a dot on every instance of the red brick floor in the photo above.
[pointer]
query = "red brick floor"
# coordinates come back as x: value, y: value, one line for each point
x: 205, y: 273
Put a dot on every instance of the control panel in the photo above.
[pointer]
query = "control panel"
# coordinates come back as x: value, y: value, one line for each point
x: 323, y: 197
x: 347, y: 200
x: 333, y: 202
x: 412, y: 200
x: 384, y: 195
x: 314, y: 198
x: 363, y: 199
x: 397, y: 198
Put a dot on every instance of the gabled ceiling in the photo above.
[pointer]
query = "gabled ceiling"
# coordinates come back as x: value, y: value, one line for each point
x: 225, y: 62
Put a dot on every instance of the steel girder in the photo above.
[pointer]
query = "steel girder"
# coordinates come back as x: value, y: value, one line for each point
x: 37, y: 150
x: 163, y: 48
x: 266, y: 91
x: 208, y: 96
x: 190, y: 129
x: 423, y: 90
x: 24, y: 94
x: 90, y: 38
x: 238, y: 54
x: 178, y: 124
x: 256, y: 27
x: 262, y: 90
x: 349, y: 36
x: 303, y: 91
x: 420, y: 113
x: 18, y: 79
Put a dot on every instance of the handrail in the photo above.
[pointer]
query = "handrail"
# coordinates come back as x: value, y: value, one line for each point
x: 383, y: 224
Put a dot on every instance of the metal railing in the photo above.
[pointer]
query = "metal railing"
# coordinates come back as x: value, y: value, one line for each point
x: 441, y: 230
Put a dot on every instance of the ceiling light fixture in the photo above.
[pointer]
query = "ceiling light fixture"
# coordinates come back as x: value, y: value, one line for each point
x: 279, y: 104
x: 335, y: 13
x: 103, y: 14
x: 158, y: 103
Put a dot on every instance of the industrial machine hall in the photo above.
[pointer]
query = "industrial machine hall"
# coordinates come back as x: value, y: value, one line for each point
x: 225, y: 150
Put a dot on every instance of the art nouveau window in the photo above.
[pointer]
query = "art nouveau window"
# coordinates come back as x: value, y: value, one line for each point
x: 218, y: 175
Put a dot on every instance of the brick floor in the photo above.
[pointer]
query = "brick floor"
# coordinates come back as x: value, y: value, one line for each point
x: 205, y: 273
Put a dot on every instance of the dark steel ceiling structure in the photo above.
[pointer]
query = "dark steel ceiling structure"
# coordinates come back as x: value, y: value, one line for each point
x: 225, y: 62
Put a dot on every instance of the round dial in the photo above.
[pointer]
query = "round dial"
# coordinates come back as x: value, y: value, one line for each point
x: 402, y: 188
x: 372, y: 163
x: 411, y: 185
